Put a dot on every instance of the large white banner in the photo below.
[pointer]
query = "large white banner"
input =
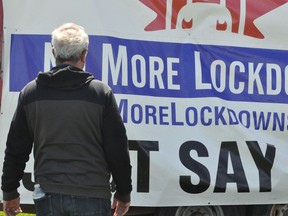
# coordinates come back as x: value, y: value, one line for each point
x: 201, y: 86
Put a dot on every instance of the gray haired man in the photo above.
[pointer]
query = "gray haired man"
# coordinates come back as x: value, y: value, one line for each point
x: 72, y: 123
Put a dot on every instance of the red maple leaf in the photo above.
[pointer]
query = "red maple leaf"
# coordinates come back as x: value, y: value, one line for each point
x: 254, y: 10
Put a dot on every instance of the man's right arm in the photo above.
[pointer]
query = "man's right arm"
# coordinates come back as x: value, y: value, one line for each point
x: 18, y: 148
x: 12, y: 207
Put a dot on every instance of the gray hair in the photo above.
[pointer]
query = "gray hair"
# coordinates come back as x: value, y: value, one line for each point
x: 69, y: 41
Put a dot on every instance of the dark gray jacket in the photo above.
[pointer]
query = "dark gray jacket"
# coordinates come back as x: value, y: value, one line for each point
x: 78, y: 135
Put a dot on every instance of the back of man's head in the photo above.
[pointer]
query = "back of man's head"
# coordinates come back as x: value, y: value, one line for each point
x: 69, y: 41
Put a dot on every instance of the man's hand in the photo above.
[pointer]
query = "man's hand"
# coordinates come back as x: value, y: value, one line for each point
x: 120, y: 208
x: 12, y: 207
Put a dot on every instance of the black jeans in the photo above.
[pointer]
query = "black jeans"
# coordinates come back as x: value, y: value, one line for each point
x: 66, y: 205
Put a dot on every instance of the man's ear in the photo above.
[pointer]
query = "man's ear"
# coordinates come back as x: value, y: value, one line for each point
x: 83, y: 56
x: 53, y: 51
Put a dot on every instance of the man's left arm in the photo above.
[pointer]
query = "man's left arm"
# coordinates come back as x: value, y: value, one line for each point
x: 116, y: 149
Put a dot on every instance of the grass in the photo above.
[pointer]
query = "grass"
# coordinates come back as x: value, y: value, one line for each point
x: 22, y: 214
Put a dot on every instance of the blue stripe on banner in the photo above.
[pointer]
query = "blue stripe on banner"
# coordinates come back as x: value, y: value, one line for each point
x: 26, y: 59
x: 164, y: 69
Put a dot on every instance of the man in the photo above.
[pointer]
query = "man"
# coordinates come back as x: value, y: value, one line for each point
x: 72, y: 122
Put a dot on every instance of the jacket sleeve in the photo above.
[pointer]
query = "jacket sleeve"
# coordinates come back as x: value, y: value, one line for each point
x: 116, y: 148
x: 18, y: 148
